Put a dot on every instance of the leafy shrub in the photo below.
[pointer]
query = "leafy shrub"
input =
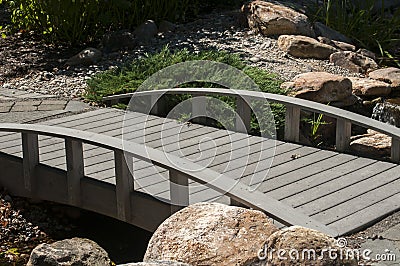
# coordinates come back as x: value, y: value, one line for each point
x: 77, y: 21
x: 373, y: 29
x: 128, y: 78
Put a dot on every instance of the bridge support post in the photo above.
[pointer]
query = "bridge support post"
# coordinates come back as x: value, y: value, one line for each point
x: 30, y: 151
x: 243, y: 115
x: 199, y: 104
x: 292, y: 123
x: 124, y: 184
x: 157, y: 104
x: 179, y: 190
x: 75, y: 170
x: 343, y: 134
x: 395, y: 150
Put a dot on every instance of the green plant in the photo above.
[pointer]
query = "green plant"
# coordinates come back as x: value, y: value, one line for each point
x: 128, y: 78
x: 78, y: 21
x: 378, y: 31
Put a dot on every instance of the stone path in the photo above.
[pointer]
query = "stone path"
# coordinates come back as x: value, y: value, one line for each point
x: 22, y: 107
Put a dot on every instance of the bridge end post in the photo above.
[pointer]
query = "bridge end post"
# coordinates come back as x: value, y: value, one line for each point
x: 395, y: 150
x: 179, y: 190
x: 343, y: 134
x: 75, y: 170
x: 124, y: 184
x: 30, y: 151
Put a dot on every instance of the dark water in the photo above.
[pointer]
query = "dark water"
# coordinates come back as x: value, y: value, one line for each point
x: 123, y: 242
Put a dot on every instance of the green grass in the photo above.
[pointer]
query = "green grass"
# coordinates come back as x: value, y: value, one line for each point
x: 128, y: 78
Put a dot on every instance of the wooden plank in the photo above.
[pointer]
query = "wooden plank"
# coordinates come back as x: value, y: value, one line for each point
x: 292, y: 123
x: 360, y: 182
x: 330, y: 185
x: 75, y: 170
x: 343, y: 134
x: 30, y: 149
x: 359, y: 203
x: 370, y: 215
x: 338, y: 165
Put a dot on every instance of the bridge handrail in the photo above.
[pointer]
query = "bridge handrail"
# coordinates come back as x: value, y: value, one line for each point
x: 74, y: 139
x: 293, y: 107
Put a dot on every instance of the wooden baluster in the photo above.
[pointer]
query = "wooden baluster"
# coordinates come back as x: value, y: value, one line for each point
x: 124, y: 184
x: 292, y: 123
x: 395, y: 150
x: 199, y: 104
x: 75, y: 170
x: 179, y: 190
x: 243, y: 115
x: 30, y: 151
x: 343, y: 134
x: 158, y: 104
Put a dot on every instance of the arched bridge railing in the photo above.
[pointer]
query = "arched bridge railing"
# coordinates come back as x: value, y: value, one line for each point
x: 74, y: 139
x: 345, y: 119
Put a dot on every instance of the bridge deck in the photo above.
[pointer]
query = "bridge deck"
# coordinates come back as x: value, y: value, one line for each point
x: 342, y: 191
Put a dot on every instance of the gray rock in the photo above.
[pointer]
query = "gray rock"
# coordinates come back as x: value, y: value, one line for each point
x: 146, y: 31
x: 69, y: 252
x: 387, y: 112
x: 274, y: 19
x: 304, y: 47
x: 88, y: 56
x: 352, y: 61
x: 324, y: 31
x: 118, y: 40
x: 366, y: 53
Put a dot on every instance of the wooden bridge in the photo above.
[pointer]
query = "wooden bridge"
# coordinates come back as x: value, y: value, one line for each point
x: 82, y: 160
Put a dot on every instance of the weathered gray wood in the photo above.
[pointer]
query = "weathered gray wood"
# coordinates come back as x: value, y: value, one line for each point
x: 243, y: 115
x: 395, y: 150
x: 292, y: 123
x: 179, y: 190
x: 124, y: 184
x: 343, y: 134
x: 30, y: 149
x: 199, y: 106
x: 359, y: 203
x: 75, y: 170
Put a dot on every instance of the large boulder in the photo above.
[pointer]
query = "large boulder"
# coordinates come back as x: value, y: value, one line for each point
x: 69, y: 252
x: 352, y: 61
x: 287, y: 247
x: 365, y: 87
x: 210, y: 234
x: 273, y: 19
x: 146, y: 31
x: 88, y: 56
x: 304, y: 47
x: 373, y: 144
x: 320, y: 87
x: 390, y: 75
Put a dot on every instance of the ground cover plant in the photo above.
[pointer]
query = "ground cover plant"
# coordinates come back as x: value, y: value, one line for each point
x: 129, y: 77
